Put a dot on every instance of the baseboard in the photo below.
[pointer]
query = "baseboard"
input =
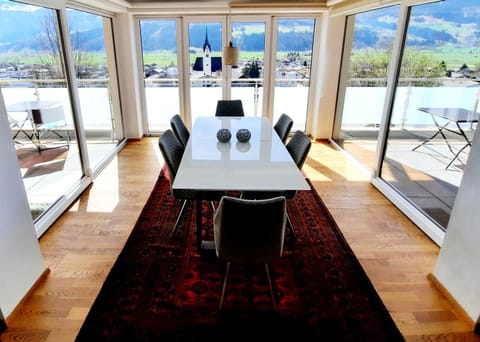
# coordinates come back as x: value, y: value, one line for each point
x: 40, y: 279
x: 134, y: 139
x: 456, y: 306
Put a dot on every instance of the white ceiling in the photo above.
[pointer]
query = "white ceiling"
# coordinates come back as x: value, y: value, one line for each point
x: 235, y: 2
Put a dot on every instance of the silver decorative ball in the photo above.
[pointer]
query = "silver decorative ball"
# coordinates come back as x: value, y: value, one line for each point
x: 243, y: 135
x: 224, y: 135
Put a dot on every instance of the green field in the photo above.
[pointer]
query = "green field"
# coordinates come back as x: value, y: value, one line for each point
x: 18, y: 58
x: 453, y: 57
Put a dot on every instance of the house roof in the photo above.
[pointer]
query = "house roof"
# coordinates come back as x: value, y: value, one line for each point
x: 216, y: 64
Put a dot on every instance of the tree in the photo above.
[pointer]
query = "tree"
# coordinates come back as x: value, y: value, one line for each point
x: 50, y: 43
x: 251, y: 70
x: 369, y: 68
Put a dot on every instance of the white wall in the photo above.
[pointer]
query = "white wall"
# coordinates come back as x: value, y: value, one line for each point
x: 21, y: 262
x: 128, y: 75
x: 325, y: 87
x: 458, y: 264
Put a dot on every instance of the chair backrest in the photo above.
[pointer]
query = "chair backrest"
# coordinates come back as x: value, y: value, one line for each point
x: 250, y: 231
x: 172, y: 152
x: 180, y: 129
x: 298, y: 147
x: 229, y: 108
x: 283, y: 126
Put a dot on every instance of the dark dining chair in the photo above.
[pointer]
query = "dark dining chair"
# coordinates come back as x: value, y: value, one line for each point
x: 298, y: 147
x: 229, y: 108
x: 172, y: 152
x: 180, y: 129
x: 249, y: 232
x: 283, y: 126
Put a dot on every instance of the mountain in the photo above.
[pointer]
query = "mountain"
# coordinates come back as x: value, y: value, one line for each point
x: 454, y: 22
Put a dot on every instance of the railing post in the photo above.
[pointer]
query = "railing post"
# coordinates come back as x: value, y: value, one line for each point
x: 255, y: 98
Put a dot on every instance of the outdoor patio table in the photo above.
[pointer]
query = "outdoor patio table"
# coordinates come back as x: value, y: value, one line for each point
x: 43, y: 115
x: 454, y: 115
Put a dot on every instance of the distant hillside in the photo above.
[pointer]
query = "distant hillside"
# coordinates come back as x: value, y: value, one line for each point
x: 431, y: 25
x: 450, y: 23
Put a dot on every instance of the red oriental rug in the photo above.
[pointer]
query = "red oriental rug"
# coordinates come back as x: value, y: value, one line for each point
x: 162, y: 289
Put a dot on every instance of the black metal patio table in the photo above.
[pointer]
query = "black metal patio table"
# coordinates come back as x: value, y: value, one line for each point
x: 458, y: 116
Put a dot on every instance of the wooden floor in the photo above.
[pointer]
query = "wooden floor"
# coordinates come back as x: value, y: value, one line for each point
x: 81, y: 247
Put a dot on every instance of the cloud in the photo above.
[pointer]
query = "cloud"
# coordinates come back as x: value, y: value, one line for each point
x: 5, y: 5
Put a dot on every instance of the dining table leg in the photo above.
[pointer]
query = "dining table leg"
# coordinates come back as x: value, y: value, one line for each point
x: 203, y: 245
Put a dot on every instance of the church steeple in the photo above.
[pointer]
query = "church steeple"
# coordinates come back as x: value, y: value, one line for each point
x: 207, y: 59
x: 206, y: 44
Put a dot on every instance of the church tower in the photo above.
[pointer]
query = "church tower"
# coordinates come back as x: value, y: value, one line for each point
x: 207, y: 58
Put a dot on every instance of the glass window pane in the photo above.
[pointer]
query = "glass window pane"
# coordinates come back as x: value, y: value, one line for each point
x: 159, y: 51
x: 205, y: 42
x: 371, y: 48
x: 96, y: 80
x: 292, y: 69
x: 247, y: 77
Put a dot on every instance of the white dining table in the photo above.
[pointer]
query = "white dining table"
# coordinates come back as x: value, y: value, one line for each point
x: 261, y: 164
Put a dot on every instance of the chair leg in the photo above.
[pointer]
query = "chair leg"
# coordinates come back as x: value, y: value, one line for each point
x: 224, y: 285
x: 179, y: 216
x: 270, y: 285
x: 290, y: 226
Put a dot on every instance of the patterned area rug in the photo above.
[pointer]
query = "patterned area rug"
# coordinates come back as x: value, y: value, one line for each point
x: 162, y: 289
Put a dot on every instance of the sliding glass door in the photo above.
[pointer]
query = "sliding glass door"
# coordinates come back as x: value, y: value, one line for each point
x: 409, y: 105
x: 59, y: 83
x: 34, y: 86
x: 434, y: 116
